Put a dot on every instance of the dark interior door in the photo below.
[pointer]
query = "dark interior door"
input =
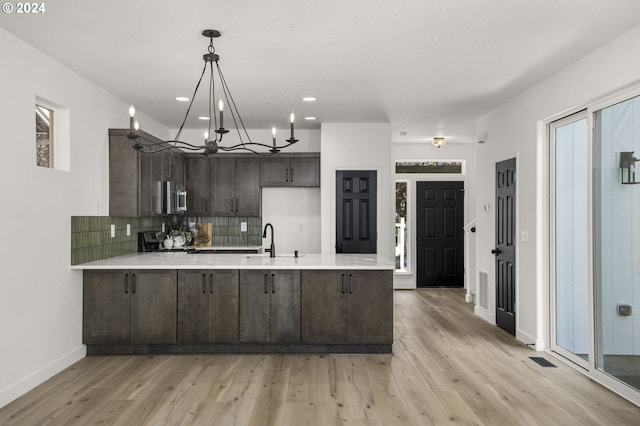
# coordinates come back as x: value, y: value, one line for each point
x: 505, y: 250
x: 356, y: 206
x: 440, y: 237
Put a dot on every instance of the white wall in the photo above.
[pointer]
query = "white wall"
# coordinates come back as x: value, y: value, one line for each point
x: 295, y: 216
x: 516, y: 129
x: 426, y: 151
x: 356, y: 147
x: 40, y: 297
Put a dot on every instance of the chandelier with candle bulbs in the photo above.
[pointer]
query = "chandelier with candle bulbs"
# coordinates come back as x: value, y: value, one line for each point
x: 211, y: 144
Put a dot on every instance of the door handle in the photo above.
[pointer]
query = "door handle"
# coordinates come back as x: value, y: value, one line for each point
x: 133, y: 284
x: 496, y: 251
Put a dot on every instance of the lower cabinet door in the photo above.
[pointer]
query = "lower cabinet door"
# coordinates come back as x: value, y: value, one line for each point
x: 208, y: 306
x: 285, y: 306
x: 193, y: 306
x: 370, y: 307
x: 153, y: 306
x: 254, y: 314
x: 223, y: 306
x: 269, y: 306
x: 324, y: 306
x: 106, y: 306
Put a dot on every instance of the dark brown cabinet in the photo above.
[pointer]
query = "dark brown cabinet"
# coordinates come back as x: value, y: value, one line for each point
x: 294, y: 170
x: 269, y: 306
x: 173, y: 166
x: 134, y: 177
x: 234, y: 186
x: 197, y: 186
x: 129, y: 306
x: 208, y: 306
x: 347, y: 306
x: 246, y: 310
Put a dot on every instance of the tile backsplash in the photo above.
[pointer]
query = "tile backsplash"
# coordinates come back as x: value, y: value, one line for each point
x: 91, y: 235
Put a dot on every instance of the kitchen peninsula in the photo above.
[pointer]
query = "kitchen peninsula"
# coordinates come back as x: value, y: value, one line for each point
x: 178, y: 302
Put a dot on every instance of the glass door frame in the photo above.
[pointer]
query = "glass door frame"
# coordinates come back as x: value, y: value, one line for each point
x: 553, y: 320
x: 590, y: 370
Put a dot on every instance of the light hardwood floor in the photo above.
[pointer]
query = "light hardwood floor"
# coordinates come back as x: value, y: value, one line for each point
x: 447, y: 367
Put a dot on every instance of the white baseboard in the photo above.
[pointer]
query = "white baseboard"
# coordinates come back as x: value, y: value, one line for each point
x: 24, y: 385
x: 527, y: 339
x: 485, y: 315
x: 403, y: 282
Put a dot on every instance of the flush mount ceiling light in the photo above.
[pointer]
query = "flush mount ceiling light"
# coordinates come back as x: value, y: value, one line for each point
x: 439, y: 142
x: 210, y: 146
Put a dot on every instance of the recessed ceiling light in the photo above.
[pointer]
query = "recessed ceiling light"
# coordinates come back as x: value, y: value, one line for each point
x: 202, y: 117
x: 309, y: 118
x: 182, y: 99
x: 309, y: 99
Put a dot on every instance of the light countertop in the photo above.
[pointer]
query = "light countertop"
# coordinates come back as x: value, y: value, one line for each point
x: 184, y: 260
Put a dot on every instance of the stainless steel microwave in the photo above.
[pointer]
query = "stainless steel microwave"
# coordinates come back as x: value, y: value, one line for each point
x: 172, y: 197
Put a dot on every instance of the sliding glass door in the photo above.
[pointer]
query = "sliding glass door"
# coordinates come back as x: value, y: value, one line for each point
x: 617, y: 241
x: 569, y: 223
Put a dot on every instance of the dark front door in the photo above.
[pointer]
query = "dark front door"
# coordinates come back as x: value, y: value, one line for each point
x: 505, y: 250
x: 356, y: 206
x: 440, y: 237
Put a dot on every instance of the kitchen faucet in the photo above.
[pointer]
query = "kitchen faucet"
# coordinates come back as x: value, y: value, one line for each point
x: 272, y: 250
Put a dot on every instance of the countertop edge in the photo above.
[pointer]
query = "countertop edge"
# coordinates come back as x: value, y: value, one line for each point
x: 168, y: 260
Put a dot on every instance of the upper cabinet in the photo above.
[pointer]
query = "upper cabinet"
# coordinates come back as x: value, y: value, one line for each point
x: 234, y: 186
x: 223, y: 185
x: 229, y: 184
x: 290, y: 170
x: 134, y: 177
x: 198, y: 186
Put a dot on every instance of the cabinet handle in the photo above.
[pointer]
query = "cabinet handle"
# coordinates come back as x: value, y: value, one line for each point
x: 343, y: 289
x: 266, y: 284
x: 126, y: 283
x: 291, y: 178
x: 204, y: 284
x: 133, y: 284
x: 287, y: 175
x: 350, y: 284
x: 237, y: 205
x: 211, y: 283
x: 232, y: 205
x: 273, y: 287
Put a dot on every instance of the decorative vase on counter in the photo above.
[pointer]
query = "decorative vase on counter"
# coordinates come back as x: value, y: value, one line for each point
x: 168, y: 243
x: 178, y: 241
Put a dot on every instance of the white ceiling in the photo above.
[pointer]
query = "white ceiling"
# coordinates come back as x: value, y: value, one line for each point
x: 428, y: 67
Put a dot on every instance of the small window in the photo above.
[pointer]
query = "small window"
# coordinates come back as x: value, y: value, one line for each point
x: 452, y: 167
x: 44, y: 136
x: 401, y: 227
